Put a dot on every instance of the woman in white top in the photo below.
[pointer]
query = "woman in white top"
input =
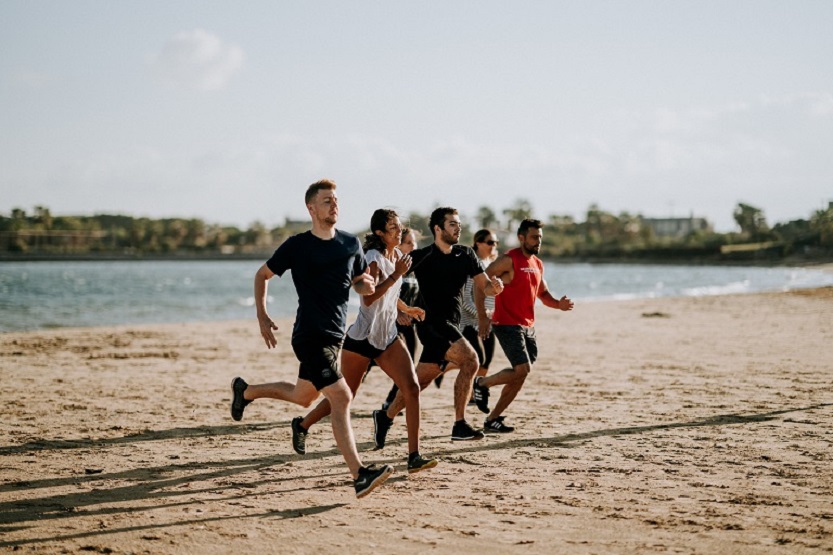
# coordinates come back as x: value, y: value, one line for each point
x: 373, y: 336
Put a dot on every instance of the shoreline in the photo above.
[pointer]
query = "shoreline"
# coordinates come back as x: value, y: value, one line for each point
x: 690, y: 425
x: 789, y: 261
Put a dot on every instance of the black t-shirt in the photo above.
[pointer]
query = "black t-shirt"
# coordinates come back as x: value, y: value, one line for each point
x: 441, y: 278
x: 323, y: 273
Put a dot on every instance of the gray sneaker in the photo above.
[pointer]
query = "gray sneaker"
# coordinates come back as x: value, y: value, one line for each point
x: 370, y: 478
x: 418, y: 462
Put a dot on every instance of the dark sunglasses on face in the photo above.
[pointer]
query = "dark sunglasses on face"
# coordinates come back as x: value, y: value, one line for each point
x: 492, y: 243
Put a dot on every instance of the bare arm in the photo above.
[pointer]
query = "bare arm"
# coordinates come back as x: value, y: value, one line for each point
x: 364, y: 284
x: 546, y: 297
x: 267, y: 326
x: 488, y: 286
x: 401, y: 268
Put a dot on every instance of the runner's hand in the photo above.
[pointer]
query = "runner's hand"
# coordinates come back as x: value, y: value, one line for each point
x: 497, y: 285
x: 402, y: 265
x: 266, y: 327
x: 365, y: 284
x: 565, y: 304
x: 484, y: 327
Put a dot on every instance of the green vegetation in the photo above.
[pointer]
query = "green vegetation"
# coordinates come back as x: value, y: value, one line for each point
x: 602, y: 235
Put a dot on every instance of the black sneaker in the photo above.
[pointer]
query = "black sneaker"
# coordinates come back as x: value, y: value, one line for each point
x: 371, y: 478
x: 497, y: 426
x: 438, y: 381
x: 238, y: 403
x: 463, y: 431
x: 299, y: 436
x: 417, y: 462
x: 381, y: 425
x: 481, y: 396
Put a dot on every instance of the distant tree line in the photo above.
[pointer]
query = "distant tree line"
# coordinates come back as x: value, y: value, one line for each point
x: 601, y: 235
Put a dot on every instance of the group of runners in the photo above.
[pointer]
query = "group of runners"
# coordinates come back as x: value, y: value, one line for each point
x: 458, y: 299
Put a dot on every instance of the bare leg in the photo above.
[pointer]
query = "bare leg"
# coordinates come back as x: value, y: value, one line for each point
x: 353, y: 366
x: 339, y: 395
x: 462, y: 355
x: 512, y: 380
x: 425, y: 372
x: 396, y: 362
x: 301, y: 393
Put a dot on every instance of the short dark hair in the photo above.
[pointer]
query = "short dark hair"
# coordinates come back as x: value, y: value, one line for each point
x: 322, y: 185
x: 528, y: 224
x: 438, y: 217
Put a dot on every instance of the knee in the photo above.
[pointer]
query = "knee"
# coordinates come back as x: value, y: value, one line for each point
x: 306, y: 401
x: 521, y: 372
x: 410, y: 389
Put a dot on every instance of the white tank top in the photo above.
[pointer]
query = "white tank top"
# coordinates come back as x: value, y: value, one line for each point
x: 377, y: 322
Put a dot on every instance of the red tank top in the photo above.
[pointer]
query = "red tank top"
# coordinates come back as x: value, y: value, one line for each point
x: 515, y: 306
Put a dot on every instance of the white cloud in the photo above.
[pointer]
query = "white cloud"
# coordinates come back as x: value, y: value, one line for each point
x: 198, y: 59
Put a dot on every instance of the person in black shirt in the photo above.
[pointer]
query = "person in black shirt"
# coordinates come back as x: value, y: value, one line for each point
x: 325, y: 264
x: 442, y: 269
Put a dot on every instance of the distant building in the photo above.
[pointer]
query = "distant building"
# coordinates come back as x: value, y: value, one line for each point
x: 676, y: 227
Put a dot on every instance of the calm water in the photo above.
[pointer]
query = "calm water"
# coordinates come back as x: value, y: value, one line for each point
x: 36, y: 295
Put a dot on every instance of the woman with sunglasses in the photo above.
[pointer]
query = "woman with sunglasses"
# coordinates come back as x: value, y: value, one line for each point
x: 486, y: 247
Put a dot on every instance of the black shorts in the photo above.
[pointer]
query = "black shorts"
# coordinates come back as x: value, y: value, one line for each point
x: 518, y: 343
x: 319, y: 360
x: 485, y: 348
x: 363, y: 347
x: 436, y: 339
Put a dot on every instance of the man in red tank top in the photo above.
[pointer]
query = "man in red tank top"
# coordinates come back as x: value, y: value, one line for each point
x: 522, y: 273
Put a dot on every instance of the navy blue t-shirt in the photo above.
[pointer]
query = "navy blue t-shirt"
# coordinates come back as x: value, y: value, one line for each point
x: 323, y: 273
x: 441, y: 278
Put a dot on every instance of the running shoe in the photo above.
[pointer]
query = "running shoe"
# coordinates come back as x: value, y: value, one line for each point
x: 497, y: 426
x: 381, y: 425
x: 370, y: 478
x: 463, y: 431
x: 438, y: 381
x: 238, y: 403
x: 299, y: 436
x: 481, y: 396
x: 417, y: 462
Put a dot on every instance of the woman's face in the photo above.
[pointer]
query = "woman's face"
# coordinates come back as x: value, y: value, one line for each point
x: 488, y: 247
x: 393, y: 232
x: 408, y: 243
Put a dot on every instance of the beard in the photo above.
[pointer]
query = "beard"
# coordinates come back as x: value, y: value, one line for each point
x: 449, y: 238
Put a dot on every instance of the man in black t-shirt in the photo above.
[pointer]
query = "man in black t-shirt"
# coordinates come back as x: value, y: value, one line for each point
x: 442, y: 269
x: 325, y: 264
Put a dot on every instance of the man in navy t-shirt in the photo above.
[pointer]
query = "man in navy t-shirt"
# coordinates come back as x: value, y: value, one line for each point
x: 325, y: 264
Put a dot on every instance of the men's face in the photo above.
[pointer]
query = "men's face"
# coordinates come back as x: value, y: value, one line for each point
x: 450, y: 233
x: 531, y: 242
x: 324, y: 207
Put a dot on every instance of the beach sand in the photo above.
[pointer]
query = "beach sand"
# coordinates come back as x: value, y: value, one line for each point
x: 688, y: 425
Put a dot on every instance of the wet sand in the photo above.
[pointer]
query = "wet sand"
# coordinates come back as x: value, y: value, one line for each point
x: 693, y: 425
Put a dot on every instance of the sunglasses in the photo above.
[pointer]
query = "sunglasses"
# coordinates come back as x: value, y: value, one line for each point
x: 492, y: 243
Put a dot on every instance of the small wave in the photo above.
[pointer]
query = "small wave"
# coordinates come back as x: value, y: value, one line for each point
x: 727, y: 289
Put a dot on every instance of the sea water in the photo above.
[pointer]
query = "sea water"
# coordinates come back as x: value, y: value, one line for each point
x: 39, y: 295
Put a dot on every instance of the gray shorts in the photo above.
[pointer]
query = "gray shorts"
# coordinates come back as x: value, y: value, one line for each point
x: 518, y: 343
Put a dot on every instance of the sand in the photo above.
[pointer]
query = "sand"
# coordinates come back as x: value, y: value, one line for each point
x: 691, y: 425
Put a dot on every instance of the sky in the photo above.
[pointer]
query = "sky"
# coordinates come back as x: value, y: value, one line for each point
x: 227, y: 111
